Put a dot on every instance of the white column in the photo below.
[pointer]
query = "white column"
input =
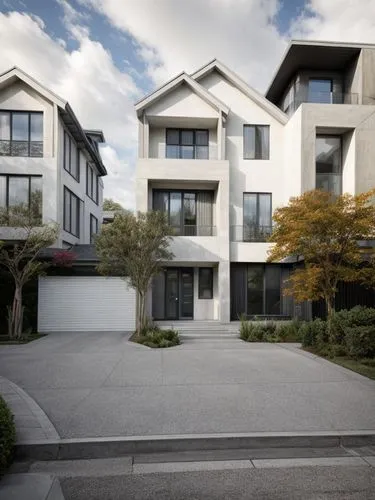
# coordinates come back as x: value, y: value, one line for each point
x: 224, y: 291
x: 219, y: 136
x: 146, y: 136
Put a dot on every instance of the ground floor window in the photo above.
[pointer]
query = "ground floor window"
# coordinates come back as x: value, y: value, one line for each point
x: 206, y: 282
x: 255, y: 290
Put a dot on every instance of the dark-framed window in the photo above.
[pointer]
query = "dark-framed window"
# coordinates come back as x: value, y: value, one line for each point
x: 206, y: 283
x: 328, y: 163
x: 189, y: 213
x: 93, y: 227
x: 20, y: 195
x: 187, y: 143
x: 256, y: 142
x: 263, y: 289
x: 72, y: 212
x: 320, y: 90
x: 21, y: 133
x: 71, y: 157
x: 257, y: 216
x: 92, y: 183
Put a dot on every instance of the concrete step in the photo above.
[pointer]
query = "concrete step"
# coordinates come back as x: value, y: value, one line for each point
x: 199, y: 326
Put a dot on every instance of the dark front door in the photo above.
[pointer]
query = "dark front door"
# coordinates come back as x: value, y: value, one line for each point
x: 179, y: 293
x: 187, y: 293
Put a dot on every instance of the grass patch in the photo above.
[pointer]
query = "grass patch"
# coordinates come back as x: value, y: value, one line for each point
x: 25, y: 339
x: 157, y: 339
x: 364, y: 367
x: 7, y: 436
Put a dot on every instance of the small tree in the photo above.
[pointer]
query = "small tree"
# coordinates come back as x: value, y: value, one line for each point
x: 325, y: 231
x: 135, y: 248
x: 109, y: 204
x: 20, y: 257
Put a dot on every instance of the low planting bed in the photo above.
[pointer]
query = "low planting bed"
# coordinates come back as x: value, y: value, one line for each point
x: 25, y: 339
x: 270, y: 331
x: 7, y: 436
x: 157, y: 338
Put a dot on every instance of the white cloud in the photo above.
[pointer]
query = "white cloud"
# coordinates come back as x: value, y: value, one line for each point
x: 101, y: 95
x: 177, y: 35
x: 120, y: 184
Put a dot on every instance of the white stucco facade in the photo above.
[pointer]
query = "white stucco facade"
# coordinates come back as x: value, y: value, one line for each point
x: 222, y: 104
x: 20, y: 93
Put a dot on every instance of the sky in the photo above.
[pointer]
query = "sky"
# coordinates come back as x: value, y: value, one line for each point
x: 104, y: 55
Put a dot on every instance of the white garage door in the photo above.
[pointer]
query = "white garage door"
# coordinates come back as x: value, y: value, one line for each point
x: 73, y: 303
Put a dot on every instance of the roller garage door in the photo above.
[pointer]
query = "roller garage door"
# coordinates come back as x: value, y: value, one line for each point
x: 74, y: 303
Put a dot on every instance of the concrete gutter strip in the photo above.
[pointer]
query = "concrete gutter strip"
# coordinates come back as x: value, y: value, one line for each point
x: 91, y: 448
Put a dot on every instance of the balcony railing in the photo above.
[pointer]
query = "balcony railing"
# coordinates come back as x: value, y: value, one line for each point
x: 321, y: 98
x: 21, y: 148
x: 255, y: 233
x: 194, y: 230
x: 187, y: 152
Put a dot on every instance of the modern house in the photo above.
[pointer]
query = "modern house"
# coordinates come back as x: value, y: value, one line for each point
x: 218, y: 157
x: 46, y: 155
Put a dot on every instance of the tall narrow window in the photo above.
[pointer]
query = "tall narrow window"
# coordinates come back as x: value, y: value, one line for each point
x: 328, y: 164
x: 71, y: 157
x: 256, y: 142
x: 91, y: 183
x: 21, y: 133
x: 72, y: 205
x: 187, y: 144
x: 93, y: 227
x: 206, y: 282
x: 257, y: 216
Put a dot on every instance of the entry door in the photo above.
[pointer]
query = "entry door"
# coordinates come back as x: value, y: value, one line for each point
x: 187, y: 293
x: 172, y: 293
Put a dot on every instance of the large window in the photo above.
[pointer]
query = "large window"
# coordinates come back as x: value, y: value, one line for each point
x: 328, y: 164
x: 189, y: 213
x: 320, y: 90
x: 72, y: 206
x: 206, y: 282
x: 20, y: 196
x: 71, y: 157
x: 21, y: 133
x: 257, y: 216
x: 93, y: 227
x: 91, y: 183
x: 256, y: 142
x: 187, y: 143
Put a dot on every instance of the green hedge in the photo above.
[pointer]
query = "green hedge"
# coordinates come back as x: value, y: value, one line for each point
x: 159, y: 338
x: 269, y: 331
x: 7, y: 436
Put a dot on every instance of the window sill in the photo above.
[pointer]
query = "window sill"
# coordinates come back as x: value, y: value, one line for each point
x: 77, y: 179
x: 72, y: 234
x: 92, y: 199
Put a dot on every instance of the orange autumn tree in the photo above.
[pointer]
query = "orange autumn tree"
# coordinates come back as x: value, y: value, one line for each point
x: 323, y: 231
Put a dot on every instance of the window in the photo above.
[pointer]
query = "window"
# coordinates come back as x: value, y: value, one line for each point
x: 189, y: 213
x: 256, y: 142
x: 93, y: 227
x: 91, y: 183
x: 328, y: 164
x: 20, y: 195
x: 257, y: 216
x: 206, y: 282
x: 71, y: 157
x: 263, y: 289
x: 21, y: 133
x: 72, y: 205
x: 187, y: 144
x: 320, y: 90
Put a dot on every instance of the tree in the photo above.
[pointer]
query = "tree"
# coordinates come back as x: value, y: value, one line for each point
x: 323, y: 230
x: 20, y: 256
x: 135, y: 248
x: 109, y: 204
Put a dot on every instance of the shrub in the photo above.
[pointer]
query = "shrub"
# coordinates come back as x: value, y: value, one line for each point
x: 289, y: 331
x: 7, y: 436
x: 360, y: 341
x: 313, y: 333
x: 156, y: 338
x: 344, y: 319
x: 251, y: 332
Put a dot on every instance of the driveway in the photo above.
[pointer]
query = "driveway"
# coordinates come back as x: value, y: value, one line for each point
x: 98, y: 384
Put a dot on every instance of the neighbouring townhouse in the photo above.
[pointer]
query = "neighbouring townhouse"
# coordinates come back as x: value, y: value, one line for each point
x: 217, y: 158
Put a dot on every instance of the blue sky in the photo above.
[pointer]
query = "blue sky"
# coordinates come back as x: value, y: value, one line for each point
x: 103, y: 55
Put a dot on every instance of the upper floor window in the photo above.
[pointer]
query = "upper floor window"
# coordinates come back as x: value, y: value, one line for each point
x: 328, y: 164
x: 256, y: 142
x: 93, y: 227
x: 320, y: 90
x: 72, y: 206
x: 257, y: 216
x: 20, y: 199
x: 189, y: 213
x: 71, y: 156
x: 21, y: 133
x: 91, y: 183
x: 187, y: 143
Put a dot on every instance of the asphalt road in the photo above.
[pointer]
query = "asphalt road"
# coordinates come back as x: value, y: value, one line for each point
x: 303, y: 483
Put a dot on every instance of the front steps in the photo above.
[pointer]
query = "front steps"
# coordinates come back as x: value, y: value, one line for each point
x: 202, y: 328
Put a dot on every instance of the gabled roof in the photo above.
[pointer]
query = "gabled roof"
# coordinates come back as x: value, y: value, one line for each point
x: 69, y: 118
x: 168, y: 87
x: 241, y: 85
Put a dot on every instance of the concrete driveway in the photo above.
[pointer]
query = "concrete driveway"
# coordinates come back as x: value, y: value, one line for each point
x: 98, y: 384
